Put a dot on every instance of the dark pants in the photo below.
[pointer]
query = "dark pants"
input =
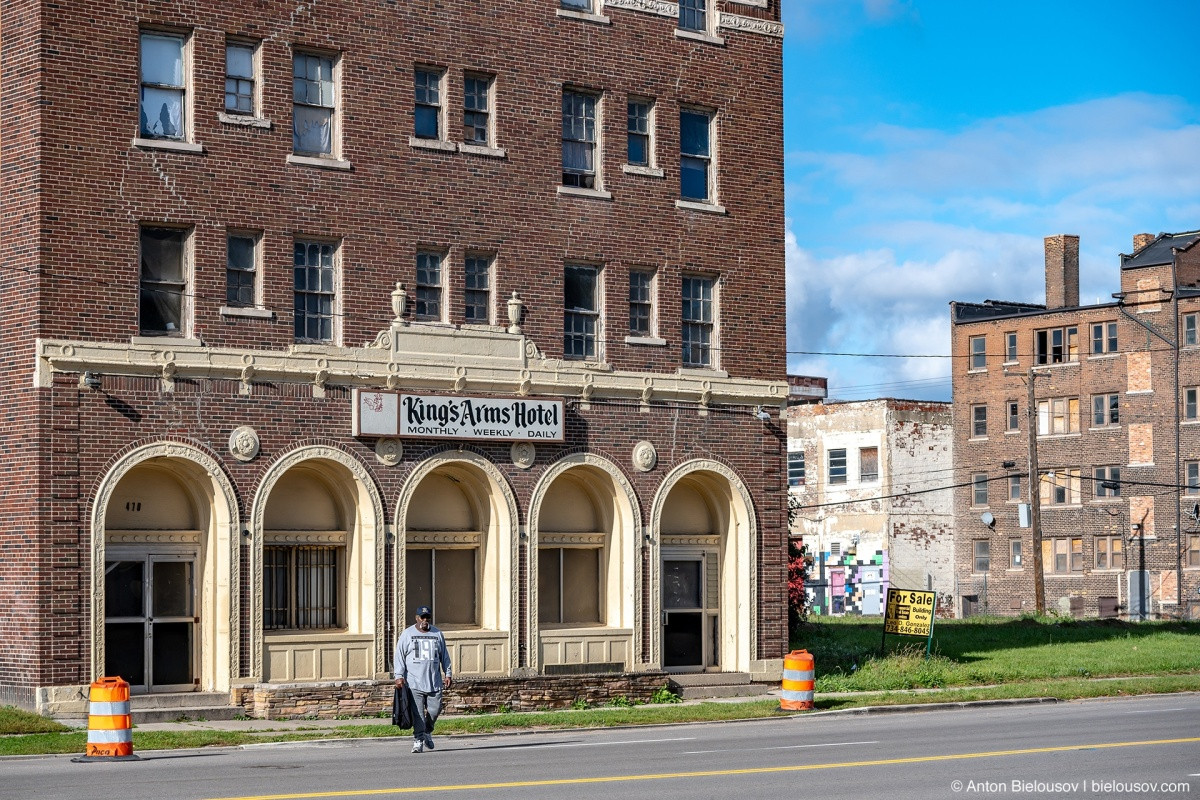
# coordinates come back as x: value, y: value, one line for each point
x: 425, y: 706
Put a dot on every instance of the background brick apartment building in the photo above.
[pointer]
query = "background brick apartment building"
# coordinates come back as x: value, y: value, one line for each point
x: 259, y: 256
x: 1116, y: 407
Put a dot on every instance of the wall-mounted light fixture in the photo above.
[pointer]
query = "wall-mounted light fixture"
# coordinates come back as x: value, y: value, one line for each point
x: 89, y: 380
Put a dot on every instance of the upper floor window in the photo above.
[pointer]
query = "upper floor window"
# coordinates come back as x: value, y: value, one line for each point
x: 577, y: 5
x: 1056, y: 345
x: 1062, y: 556
x: 581, y: 311
x: 427, y: 103
x: 693, y: 15
x: 978, y: 421
x: 641, y: 303
x: 163, y: 86
x: 1010, y: 346
x: 314, y: 284
x: 1106, y: 481
x: 1106, y: 409
x: 429, y: 287
x: 837, y: 465
x: 1014, y: 554
x: 164, y: 280
x: 477, y: 295
x: 1190, y: 402
x: 978, y: 352
x: 699, y: 321
x: 981, y: 552
x: 477, y: 109
x: 1104, y: 338
x: 240, y: 78
x: 1110, y: 552
x: 640, y: 146
x: 1193, y: 553
x: 579, y: 142
x: 1014, y: 417
x: 1059, y: 487
x: 979, y: 489
x: 795, y: 465
x: 695, y: 155
x: 1058, y: 415
x: 1190, y: 329
x: 868, y: 464
x: 1192, y: 476
x: 314, y: 104
x: 1014, y: 487
x: 241, y: 270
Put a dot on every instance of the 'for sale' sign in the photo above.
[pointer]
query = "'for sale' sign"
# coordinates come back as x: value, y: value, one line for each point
x: 909, y: 612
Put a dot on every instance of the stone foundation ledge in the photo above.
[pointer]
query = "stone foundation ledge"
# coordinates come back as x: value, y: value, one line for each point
x: 468, y: 695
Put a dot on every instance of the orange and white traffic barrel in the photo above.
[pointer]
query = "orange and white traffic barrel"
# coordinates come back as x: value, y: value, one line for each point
x: 110, y: 731
x: 799, y: 675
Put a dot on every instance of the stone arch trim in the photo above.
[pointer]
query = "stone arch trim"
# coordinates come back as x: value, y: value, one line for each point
x: 312, y: 451
x: 226, y: 530
x: 565, y: 463
x: 430, y: 463
x: 747, y: 552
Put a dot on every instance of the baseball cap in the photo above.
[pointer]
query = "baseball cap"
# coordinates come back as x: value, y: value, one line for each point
x: 424, y: 611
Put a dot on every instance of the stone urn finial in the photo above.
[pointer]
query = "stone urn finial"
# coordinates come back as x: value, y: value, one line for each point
x: 516, y: 310
x: 399, y: 303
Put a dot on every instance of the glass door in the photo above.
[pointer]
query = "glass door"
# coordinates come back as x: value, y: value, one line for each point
x: 149, y: 622
x: 683, y: 613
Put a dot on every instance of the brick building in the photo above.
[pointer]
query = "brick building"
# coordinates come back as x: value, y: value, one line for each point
x: 869, y: 480
x: 1112, y: 390
x: 319, y: 312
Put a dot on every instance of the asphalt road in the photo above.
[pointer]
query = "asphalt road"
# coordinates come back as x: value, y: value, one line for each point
x: 1146, y: 747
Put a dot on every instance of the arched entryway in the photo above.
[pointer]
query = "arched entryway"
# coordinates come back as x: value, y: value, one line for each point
x: 584, y: 559
x: 456, y: 552
x: 318, y: 539
x: 164, y: 571
x: 703, y: 527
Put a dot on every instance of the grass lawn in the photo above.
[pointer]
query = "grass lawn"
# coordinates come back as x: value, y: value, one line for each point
x: 975, y: 659
x: 980, y: 650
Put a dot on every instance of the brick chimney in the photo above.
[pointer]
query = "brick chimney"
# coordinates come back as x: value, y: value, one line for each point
x: 1140, y: 240
x: 1062, y: 271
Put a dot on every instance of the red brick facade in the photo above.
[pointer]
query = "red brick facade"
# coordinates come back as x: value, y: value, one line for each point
x: 80, y: 182
x: 1116, y: 398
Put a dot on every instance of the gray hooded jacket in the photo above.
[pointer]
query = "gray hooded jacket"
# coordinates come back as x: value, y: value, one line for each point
x: 421, y: 658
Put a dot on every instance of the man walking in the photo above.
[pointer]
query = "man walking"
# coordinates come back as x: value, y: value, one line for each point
x: 422, y: 663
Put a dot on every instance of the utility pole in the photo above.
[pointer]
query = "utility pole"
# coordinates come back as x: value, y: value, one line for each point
x: 1035, y: 498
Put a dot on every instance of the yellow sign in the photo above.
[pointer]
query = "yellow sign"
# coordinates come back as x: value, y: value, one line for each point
x: 909, y: 612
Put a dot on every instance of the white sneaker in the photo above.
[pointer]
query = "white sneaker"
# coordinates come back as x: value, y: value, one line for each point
x: 428, y: 742
x: 418, y: 746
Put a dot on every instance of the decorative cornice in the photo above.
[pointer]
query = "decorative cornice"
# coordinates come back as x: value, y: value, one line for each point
x: 660, y: 7
x: 736, y: 22
x: 438, y: 359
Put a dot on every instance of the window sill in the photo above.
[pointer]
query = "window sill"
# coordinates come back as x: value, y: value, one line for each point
x: 1012, y: 432
x: 482, y: 150
x: 699, y: 36
x: 1140, y: 391
x: 707, y: 208
x: 646, y: 341
x: 1045, y: 436
x: 1103, y: 428
x: 169, y: 145
x: 584, y: 16
x: 1190, y: 422
x: 1009, y: 363
x: 175, y: 340
x: 432, y: 144
x: 1102, y: 356
x: 704, y: 371
x: 646, y: 172
x: 755, y: 3
x: 1057, y: 365
x: 250, y: 313
x: 244, y: 121
x: 978, y: 439
x: 977, y: 371
x: 595, y: 194
x: 320, y: 163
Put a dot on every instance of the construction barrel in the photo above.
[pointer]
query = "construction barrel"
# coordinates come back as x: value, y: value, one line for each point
x: 110, y: 731
x: 796, y: 693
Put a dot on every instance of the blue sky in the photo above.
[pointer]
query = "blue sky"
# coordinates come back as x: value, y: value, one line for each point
x: 931, y: 146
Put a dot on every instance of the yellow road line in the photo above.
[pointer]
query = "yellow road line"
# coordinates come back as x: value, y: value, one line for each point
x: 706, y: 773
